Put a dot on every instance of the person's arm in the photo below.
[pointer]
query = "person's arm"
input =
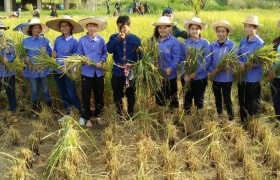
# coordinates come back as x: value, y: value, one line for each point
x: 112, y: 44
x: 11, y: 54
x: 48, y: 47
x: 179, y: 33
x: 104, y: 52
x: 176, y: 52
x: 138, y: 45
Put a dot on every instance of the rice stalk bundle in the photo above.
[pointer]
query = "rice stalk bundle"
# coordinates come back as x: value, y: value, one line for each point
x: 228, y: 61
x: 45, y: 61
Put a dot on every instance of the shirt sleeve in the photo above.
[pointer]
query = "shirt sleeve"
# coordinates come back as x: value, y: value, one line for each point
x: 104, y: 51
x: 48, y: 47
x: 176, y: 52
x: 211, y: 64
x: 113, y: 44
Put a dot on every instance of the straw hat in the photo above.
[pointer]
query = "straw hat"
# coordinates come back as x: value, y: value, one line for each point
x: 278, y: 23
x: 32, y: 22
x: 54, y: 24
x: 222, y: 23
x: 2, y: 26
x: 196, y: 21
x: 253, y: 20
x: 101, y: 23
x: 163, y: 21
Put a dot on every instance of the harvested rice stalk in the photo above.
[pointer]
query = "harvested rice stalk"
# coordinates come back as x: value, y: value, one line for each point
x: 171, y: 133
x: 34, y: 144
x: 169, y: 162
x: 251, y: 170
x: 240, y: 149
x: 216, y: 154
x: 190, y: 151
x: 19, y: 170
x: 270, y: 150
x: 211, y: 128
x: 27, y: 156
x: 46, y: 61
x: 39, y: 130
x: 112, y: 159
x: 220, y: 171
x: 13, y: 136
x: 228, y: 61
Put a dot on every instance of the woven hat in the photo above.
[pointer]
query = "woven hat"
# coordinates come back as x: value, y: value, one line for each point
x: 32, y: 22
x: 253, y: 20
x: 196, y: 21
x: 101, y: 23
x: 54, y: 24
x: 163, y: 21
x: 222, y: 23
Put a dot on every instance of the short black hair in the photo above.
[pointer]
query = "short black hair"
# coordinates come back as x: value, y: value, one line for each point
x: 125, y: 20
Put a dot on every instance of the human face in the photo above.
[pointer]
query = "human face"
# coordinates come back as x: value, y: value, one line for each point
x: 36, y: 30
x: 222, y: 33
x: 194, y: 31
x: 123, y: 28
x: 65, y: 28
x: 170, y: 16
x: 92, y: 28
x: 164, y: 31
x: 250, y: 30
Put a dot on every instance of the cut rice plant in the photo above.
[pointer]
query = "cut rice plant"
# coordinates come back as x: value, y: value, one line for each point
x: 148, y: 77
x: 270, y: 150
x: 33, y: 142
x: 212, y: 129
x: 39, y: 129
x: 27, y: 156
x: 19, y: 170
x: 240, y: 149
x: 171, y: 133
x: 220, y: 171
x: 113, y: 163
x: 169, y: 162
x: 13, y: 136
x: 45, y: 60
x: 228, y: 61
x: 251, y: 170
x: 67, y: 157
x: 190, y: 152
x: 20, y: 50
x: 216, y: 155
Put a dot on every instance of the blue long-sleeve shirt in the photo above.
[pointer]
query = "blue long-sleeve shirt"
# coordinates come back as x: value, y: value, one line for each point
x: 94, y: 49
x: 217, y: 52
x: 203, y: 45
x: 169, y: 57
x: 32, y: 46
x: 246, y: 48
x: 64, y: 47
x: 10, y: 54
x: 124, y: 51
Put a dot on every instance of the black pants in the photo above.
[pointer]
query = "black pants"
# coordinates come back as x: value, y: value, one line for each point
x: 196, y: 92
x: 249, y: 99
x: 275, y: 93
x: 222, y: 90
x: 168, y: 93
x: 118, y: 84
x: 95, y: 84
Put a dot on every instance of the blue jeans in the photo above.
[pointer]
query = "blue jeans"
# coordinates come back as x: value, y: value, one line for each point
x: 38, y: 84
x: 9, y: 84
x: 67, y: 91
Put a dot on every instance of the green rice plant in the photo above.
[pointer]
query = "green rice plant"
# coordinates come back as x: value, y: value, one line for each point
x: 229, y: 61
x: 45, y: 60
x: 148, y: 77
x: 19, y: 48
x: 67, y: 157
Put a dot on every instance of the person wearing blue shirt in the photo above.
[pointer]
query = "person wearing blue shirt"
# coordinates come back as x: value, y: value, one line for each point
x: 197, y: 79
x: 93, y: 47
x: 168, y: 60
x: 7, y: 77
x: 125, y: 49
x: 65, y: 45
x: 222, y: 77
x: 274, y: 77
x: 249, y: 87
x: 37, y: 75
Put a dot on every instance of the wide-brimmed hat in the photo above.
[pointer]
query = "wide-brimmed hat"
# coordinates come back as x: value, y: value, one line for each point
x: 222, y: 23
x: 32, y: 22
x: 2, y: 26
x: 101, y: 23
x: 196, y: 21
x: 163, y: 21
x: 253, y: 20
x: 54, y: 24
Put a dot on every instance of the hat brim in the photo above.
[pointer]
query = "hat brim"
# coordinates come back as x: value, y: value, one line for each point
x: 101, y: 23
x: 251, y: 23
x: 54, y: 25
x: 188, y: 23
x: 229, y: 27
x: 163, y: 24
x: 45, y: 28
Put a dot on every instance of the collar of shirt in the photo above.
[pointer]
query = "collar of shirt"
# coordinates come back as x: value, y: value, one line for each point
x: 225, y: 44
x: 66, y: 38
x: 35, y: 38
x: 167, y: 38
x: 255, y: 39
x: 190, y: 40
x: 96, y: 38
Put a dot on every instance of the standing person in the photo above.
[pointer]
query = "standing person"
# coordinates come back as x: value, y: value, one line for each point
x: 93, y: 46
x: 134, y: 6
x: 65, y: 45
x: 141, y: 9
x: 108, y: 6
x: 118, y: 6
x: 176, y: 32
x: 274, y: 77
x: 7, y: 77
x: 249, y: 88
x: 222, y: 78
x: 170, y: 51
x: 37, y: 76
x: 124, y: 46
x: 198, y: 79
x: 147, y: 8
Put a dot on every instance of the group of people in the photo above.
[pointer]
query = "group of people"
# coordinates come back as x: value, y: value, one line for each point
x: 125, y: 49
x: 141, y: 8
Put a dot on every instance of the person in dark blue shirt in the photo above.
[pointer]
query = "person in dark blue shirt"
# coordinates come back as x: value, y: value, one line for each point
x: 124, y: 47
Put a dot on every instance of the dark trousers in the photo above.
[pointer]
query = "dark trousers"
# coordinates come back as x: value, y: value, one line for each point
x: 196, y: 91
x: 249, y: 99
x: 9, y: 84
x: 67, y: 91
x: 118, y: 84
x: 222, y: 91
x: 95, y: 85
x: 168, y: 93
x: 275, y: 93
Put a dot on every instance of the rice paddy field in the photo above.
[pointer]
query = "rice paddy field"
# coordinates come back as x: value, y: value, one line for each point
x: 149, y: 146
